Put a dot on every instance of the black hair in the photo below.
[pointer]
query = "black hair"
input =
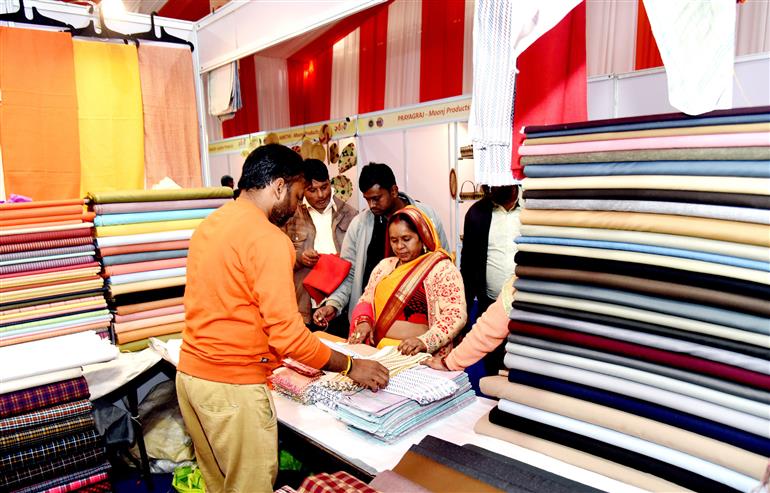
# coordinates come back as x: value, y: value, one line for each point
x: 226, y: 181
x: 376, y: 174
x: 404, y: 218
x: 315, y: 169
x: 268, y: 163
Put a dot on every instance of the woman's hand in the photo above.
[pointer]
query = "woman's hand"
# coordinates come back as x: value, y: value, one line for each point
x: 361, y: 333
x: 435, y: 362
x: 412, y: 346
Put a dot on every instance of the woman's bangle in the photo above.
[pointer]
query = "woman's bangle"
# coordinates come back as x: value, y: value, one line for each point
x: 349, y: 367
x: 443, y: 362
x: 363, y: 318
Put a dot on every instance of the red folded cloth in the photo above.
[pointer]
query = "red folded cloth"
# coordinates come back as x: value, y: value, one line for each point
x: 326, y: 276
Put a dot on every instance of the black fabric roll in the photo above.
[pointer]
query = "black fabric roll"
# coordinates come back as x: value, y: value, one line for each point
x: 689, y: 196
x: 645, y: 271
x: 145, y: 296
x: 675, y: 474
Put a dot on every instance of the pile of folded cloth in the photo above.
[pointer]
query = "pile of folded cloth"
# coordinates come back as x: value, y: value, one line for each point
x: 438, y: 465
x: 47, y: 434
x: 142, y: 239
x: 639, y: 332
x: 415, y: 396
x: 49, y: 276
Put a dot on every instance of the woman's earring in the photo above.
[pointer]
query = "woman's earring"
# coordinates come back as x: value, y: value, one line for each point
x: 424, y: 249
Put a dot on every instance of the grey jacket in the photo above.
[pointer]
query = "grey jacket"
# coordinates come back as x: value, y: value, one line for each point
x: 354, y: 251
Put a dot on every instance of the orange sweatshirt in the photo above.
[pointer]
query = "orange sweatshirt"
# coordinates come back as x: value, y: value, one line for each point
x: 241, y: 314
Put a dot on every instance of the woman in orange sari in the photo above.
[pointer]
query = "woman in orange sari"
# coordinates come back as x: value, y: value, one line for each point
x: 415, y: 297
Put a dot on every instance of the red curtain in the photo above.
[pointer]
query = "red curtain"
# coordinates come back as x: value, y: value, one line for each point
x: 441, y: 49
x: 551, y: 85
x: 246, y: 119
x: 373, y: 44
x: 647, y: 54
x: 310, y: 70
x: 188, y: 10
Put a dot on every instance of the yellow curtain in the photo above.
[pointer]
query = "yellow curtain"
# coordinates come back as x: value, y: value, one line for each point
x: 38, y: 114
x: 110, y: 116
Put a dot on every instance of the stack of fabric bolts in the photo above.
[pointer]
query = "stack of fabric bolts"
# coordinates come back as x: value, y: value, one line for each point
x: 142, y: 238
x: 49, y: 276
x: 640, y: 322
x: 47, y: 433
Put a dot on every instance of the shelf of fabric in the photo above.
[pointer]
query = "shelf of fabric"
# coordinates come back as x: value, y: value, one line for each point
x: 142, y: 239
x: 639, y: 328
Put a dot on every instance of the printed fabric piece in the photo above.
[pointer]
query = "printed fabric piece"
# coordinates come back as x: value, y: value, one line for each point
x: 65, y: 465
x: 423, y: 385
x: 338, y: 482
x: 48, y: 451
x: 61, y: 481
x: 47, y: 432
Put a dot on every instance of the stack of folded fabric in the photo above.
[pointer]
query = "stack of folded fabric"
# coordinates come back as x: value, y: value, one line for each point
x: 49, y: 277
x: 412, y: 399
x: 438, y: 465
x: 142, y: 239
x: 47, y: 433
x: 640, y: 323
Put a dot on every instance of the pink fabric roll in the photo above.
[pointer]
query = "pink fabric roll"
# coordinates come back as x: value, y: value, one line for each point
x: 148, y: 322
x: 158, y: 312
x: 675, y: 142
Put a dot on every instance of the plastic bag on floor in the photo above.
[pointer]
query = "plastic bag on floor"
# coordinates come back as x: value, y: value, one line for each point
x: 188, y: 479
x: 164, y: 432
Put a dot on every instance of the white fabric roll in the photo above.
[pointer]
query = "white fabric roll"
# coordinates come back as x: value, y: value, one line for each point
x: 111, y: 241
x: 729, y: 417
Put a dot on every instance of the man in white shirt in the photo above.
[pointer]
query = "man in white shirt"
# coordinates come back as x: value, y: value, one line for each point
x: 488, y: 252
x: 318, y: 227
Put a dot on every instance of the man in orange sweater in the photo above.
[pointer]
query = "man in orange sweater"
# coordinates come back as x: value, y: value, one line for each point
x: 241, y: 319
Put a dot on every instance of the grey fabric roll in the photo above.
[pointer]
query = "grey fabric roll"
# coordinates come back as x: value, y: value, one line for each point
x: 666, y: 343
x: 685, y: 376
x: 499, y: 471
x: 744, y: 321
x: 45, y: 253
x: 706, y: 394
x: 697, y: 407
x: 690, y: 154
x: 130, y: 258
x: 742, y: 214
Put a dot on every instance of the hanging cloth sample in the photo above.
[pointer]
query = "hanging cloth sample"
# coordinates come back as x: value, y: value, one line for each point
x: 171, y: 146
x: 697, y: 45
x: 502, y: 31
x: 38, y: 114
x: 110, y: 116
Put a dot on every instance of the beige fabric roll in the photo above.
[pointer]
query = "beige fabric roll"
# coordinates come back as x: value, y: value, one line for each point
x: 742, y: 250
x: 577, y: 458
x: 655, y: 132
x: 650, y: 259
x: 133, y: 287
x: 698, y: 227
x: 725, y: 184
x: 656, y: 318
x: 691, y: 443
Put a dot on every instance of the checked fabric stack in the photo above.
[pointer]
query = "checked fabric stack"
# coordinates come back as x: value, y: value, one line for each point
x: 640, y: 328
x: 143, y: 237
x: 48, y: 439
x: 49, y: 276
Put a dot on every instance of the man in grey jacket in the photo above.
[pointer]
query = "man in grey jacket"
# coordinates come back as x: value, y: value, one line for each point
x: 364, y: 244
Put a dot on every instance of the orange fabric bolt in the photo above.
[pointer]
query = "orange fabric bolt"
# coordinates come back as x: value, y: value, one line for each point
x: 158, y: 330
x: 39, y: 132
x: 171, y: 263
x: 79, y: 216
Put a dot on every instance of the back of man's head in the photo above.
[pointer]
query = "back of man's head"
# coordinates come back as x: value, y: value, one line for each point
x: 315, y: 169
x: 376, y: 174
x: 269, y: 162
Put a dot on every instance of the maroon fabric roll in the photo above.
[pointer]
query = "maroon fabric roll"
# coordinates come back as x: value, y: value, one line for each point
x: 698, y: 365
x: 45, y: 244
x: 46, y: 264
x: 45, y: 235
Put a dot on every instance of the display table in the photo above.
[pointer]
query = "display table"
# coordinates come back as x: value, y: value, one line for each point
x: 370, y: 456
x: 320, y: 429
